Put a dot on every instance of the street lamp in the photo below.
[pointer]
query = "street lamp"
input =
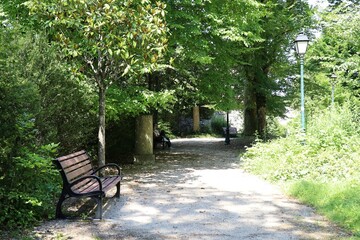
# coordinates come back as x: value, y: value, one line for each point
x: 333, y: 81
x: 301, y: 43
x: 227, y: 131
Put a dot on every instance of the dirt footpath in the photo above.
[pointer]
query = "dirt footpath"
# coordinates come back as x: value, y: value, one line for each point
x: 196, y: 190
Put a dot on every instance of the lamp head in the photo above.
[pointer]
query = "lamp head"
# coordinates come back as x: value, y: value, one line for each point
x: 333, y: 76
x: 301, y: 43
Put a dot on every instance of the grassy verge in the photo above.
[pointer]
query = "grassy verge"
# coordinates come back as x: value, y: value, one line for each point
x: 339, y: 202
x: 323, y: 171
x: 305, y: 178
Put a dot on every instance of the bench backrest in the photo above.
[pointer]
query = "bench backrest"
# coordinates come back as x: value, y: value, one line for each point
x: 74, y: 165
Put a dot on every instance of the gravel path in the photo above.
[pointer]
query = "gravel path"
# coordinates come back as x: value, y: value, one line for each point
x: 196, y: 190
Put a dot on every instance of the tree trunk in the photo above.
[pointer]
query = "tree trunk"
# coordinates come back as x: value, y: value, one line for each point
x: 196, y: 119
x: 250, y: 110
x: 261, y: 114
x: 255, y: 100
x: 261, y: 101
x: 250, y: 121
x: 144, y: 148
x: 101, y: 134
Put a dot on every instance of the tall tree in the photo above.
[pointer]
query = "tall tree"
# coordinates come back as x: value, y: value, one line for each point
x: 262, y: 79
x: 207, y: 38
x: 107, y: 39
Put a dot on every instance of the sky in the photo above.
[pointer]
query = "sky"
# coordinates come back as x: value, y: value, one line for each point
x: 319, y: 3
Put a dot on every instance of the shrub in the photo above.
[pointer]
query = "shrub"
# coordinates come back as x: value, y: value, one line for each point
x: 330, y: 151
x: 217, y: 124
x: 29, y: 183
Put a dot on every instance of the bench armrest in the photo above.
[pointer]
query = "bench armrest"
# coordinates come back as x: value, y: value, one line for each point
x: 85, y: 178
x: 109, y: 165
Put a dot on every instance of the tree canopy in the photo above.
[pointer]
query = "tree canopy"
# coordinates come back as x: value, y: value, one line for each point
x: 206, y: 40
x: 107, y: 40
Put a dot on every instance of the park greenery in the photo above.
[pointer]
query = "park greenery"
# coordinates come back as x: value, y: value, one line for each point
x: 322, y: 167
x: 72, y: 70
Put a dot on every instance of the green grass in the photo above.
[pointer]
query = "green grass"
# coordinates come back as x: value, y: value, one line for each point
x: 339, y: 202
x: 329, y: 184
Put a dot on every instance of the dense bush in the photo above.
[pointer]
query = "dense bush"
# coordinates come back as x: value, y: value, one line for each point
x: 321, y: 168
x: 43, y: 113
x: 29, y: 187
x: 217, y: 124
x: 329, y: 152
x: 27, y: 179
x: 28, y: 182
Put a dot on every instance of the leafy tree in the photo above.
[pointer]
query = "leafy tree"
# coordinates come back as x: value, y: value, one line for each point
x: 206, y: 40
x: 108, y: 40
x: 336, y: 51
x: 41, y: 103
x: 269, y: 64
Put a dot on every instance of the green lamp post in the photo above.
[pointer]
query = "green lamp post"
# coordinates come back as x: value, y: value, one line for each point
x: 301, y: 43
x: 332, y: 81
x: 227, y: 131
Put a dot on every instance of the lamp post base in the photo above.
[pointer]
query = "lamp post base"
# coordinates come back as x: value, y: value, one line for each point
x: 227, y: 133
x: 227, y: 137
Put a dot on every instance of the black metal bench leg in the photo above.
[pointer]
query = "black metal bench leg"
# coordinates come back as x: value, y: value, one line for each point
x: 59, y: 213
x: 117, y: 194
x: 98, y: 213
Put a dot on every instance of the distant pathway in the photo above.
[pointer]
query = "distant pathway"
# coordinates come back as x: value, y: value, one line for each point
x: 196, y: 190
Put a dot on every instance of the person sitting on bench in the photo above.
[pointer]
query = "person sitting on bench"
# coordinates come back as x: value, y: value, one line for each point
x: 160, y: 137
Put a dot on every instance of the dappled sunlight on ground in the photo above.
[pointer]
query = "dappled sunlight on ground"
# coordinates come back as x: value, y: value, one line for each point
x: 196, y: 190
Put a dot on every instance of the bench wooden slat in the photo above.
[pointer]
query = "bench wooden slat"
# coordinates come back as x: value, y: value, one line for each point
x: 72, y: 155
x: 89, y: 186
x: 71, y: 176
x: 92, y: 185
x: 110, y: 182
x: 87, y: 165
x: 82, y: 185
x: 76, y: 165
x: 73, y: 161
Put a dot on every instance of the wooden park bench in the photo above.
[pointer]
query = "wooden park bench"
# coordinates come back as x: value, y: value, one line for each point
x: 80, y: 179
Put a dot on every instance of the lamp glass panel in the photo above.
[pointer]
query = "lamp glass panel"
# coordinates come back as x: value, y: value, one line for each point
x: 301, y: 47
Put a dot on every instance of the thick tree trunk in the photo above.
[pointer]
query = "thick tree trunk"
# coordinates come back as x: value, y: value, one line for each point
x: 101, y: 134
x: 255, y: 102
x: 196, y: 119
x: 261, y: 114
x: 261, y: 102
x: 250, y: 121
x: 144, y: 148
x: 250, y: 110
